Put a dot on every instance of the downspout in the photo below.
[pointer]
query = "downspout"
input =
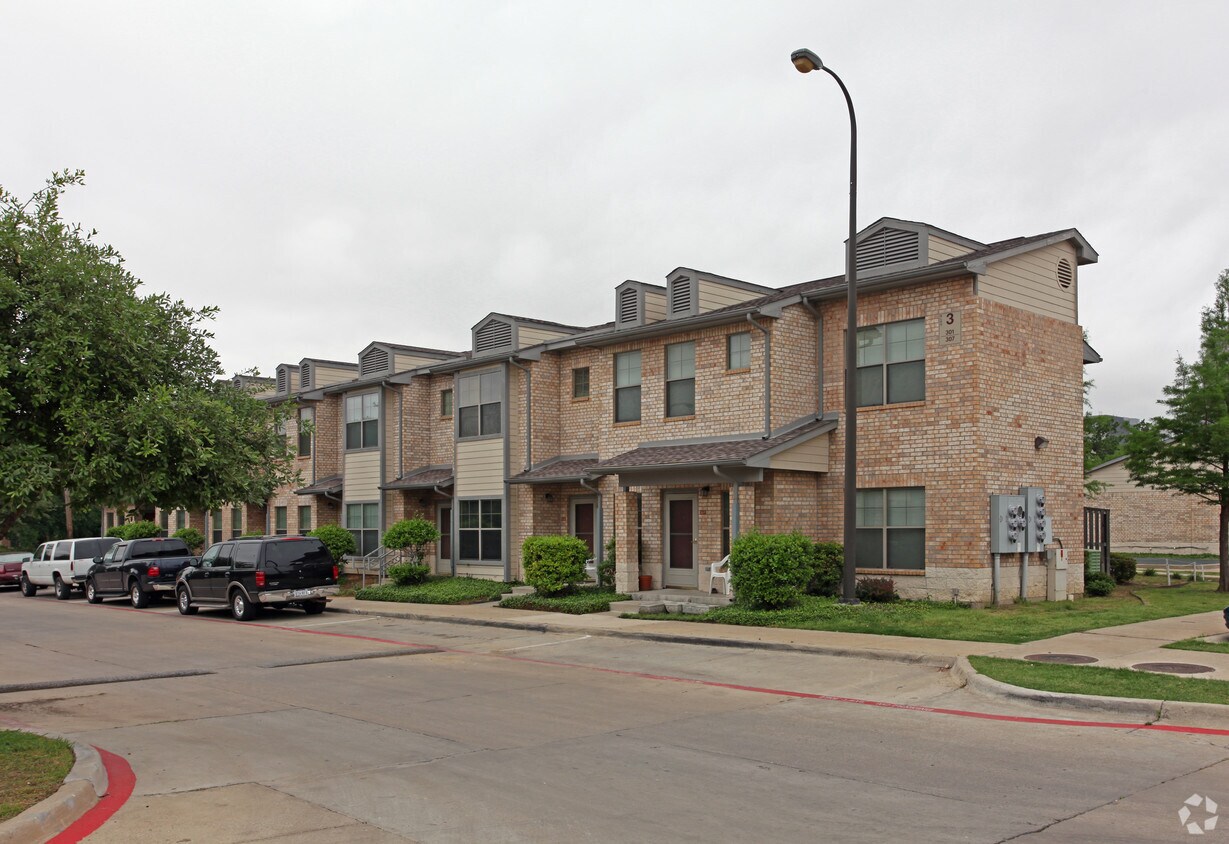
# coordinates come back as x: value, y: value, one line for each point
x: 735, y: 511
x: 401, y: 432
x: 528, y: 412
x: 597, y: 539
x: 767, y: 376
x: 506, y: 531
x: 819, y: 355
x: 384, y: 385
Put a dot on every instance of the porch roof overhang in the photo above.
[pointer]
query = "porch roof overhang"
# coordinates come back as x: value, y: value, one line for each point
x: 331, y: 485
x: 424, y: 477
x: 742, y: 458
x: 566, y: 468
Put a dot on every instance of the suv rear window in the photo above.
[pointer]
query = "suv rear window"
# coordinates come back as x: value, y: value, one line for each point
x: 297, y: 552
x: 144, y: 549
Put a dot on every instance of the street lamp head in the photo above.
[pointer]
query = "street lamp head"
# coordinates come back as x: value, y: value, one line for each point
x: 806, y: 61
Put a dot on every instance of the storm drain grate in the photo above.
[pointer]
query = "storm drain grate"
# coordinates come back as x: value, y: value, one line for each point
x: 1173, y: 667
x: 1063, y: 659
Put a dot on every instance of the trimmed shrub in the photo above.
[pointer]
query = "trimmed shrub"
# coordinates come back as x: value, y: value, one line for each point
x: 876, y: 590
x: 828, y: 564
x: 415, y: 534
x: 193, y: 538
x: 136, y: 530
x: 606, y: 570
x: 553, y: 564
x: 337, y: 539
x: 1122, y: 567
x: 770, y: 570
x: 409, y: 574
x: 1098, y: 584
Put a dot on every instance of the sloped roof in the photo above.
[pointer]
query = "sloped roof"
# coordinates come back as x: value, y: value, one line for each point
x: 568, y: 467
x: 325, y: 486
x: 728, y: 451
x: 424, y: 477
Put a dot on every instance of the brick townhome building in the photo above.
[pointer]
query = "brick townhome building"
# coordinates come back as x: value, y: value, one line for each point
x: 1145, y: 519
x: 711, y: 406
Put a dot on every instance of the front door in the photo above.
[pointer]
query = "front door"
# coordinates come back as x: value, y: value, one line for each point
x: 444, y: 564
x: 583, y: 522
x: 679, y: 522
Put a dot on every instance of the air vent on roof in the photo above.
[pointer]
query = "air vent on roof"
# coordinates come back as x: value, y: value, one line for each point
x: 889, y: 246
x: 496, y: 334
x: 682, y: 297
x: 629, y: 307
x: 283, y: 381
x: 1065, y: 275
x: 238, y: 381
x: 375, y: 361
x: 305, y: 376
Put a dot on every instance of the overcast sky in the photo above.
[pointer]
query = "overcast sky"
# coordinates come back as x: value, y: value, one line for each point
x: 329, y: 174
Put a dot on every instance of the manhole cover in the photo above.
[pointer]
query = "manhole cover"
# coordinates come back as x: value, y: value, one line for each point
x: 1065, y: 659
x: 1173, y: 667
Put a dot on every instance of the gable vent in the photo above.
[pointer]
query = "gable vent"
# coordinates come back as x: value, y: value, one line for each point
x: 283, y: 381
x: 373, y: 362
x: 629, y: 307
x: 889, y: 246
x: 681, y: 296
x: 496, y: 334
x: 305, y: 376
x: 1065, y: 275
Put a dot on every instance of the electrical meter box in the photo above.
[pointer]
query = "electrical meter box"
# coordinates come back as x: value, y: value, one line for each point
x: 1038, y: 532
x: 1008, y: 524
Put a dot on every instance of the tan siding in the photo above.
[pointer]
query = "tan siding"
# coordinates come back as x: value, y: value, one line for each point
x: 810, y: 456
x: 292, y: 378
x: 480, y: 467
x: 362, y: 479
x: 495, y: 572
x: 714, y: 295
x: 326, y: 376
x: 654, y: 306
x: 534, y: 336
x: 1029, y: 281
x: 402, y: 362
x: 941, y: 250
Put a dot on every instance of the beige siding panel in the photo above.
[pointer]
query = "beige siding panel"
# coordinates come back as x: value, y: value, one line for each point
x: 326, y: 376
x: 1029, y: 282
x: 810, y: 456
x: 480, y: 467
x: 402, y: 362
x: 362, y: 478
x: 942, y: 250
x: 1117, y: 478
x: 654, y: 306
x: 293, y: 378
x: 714, y: 295
x: 534, y: 336
x: 480, y: 572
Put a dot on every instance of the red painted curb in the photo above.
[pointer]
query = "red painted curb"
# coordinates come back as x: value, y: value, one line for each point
x: 120, y: 783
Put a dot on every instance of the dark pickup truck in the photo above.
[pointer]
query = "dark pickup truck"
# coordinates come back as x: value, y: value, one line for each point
x: 138, y: 568
x: 270, y: 571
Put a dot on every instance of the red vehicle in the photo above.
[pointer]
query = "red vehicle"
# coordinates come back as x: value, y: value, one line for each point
x: 10, y: 567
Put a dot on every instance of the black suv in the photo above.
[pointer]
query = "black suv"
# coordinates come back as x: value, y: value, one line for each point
x: 248, y: 574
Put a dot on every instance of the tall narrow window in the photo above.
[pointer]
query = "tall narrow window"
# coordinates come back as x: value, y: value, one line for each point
x: 215, y: 526
x: 279, y: 521
x: 891, y: 528
x: 363, y: 521
x: 363, y: 421
x: 680, y: 379
x: 481, y: 404
x: 480, y: 530
x: 446, y: 403
x: 891, y: 363
x: 627, y: 387
x: 580, y: 382
x: 307, y: 416
x: 181, y: 519
x: 166, y: 523
x: 305, y: 518
x: 738, y: 351
x: 236, y: 522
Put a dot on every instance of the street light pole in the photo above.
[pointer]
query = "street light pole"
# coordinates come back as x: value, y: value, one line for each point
x: 806, y: 61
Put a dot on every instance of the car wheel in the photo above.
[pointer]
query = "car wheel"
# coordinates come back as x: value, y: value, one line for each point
x: 314, y: 607
x: 140, y: 599
x: 27, y: 588
x: 184, y: 602
x: 91, y: 592
x: 240, y: 607
x: 63, y: 591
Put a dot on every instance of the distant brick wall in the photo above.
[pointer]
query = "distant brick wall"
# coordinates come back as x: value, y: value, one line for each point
x: 1147, y: 519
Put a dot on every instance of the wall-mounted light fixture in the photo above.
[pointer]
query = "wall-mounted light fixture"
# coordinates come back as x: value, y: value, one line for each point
x: 1040, y: 442
x: 704, y: 491
x: 550, y: 496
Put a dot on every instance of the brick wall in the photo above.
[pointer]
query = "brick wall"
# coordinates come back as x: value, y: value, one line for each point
x: 1155, y: 520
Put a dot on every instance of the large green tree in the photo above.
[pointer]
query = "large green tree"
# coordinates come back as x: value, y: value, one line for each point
x: 113, y: 396
x: 1187, y: 449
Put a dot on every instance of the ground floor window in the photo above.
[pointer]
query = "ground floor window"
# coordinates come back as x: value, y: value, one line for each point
x: 891, y: 528
x: 165, y: 523
x: 279, y: 521
x: 236, y: 522
x: 215, y: 526
x: 305, y: 518
x: 480, y: 530
x: 363, y: 520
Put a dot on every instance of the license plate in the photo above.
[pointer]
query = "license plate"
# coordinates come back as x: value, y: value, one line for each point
x: 302, y: 593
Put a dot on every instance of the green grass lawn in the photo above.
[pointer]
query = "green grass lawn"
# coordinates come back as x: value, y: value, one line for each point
x: 438, y: 590
x: 1010, y: 624
x: 1107, y: 682
x: 31, y: 769
x: 585, y: 599
x: 1200, y: 645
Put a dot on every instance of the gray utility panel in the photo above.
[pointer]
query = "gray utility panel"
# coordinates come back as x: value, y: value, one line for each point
x: 1035, y: 512
x: 1008, y: 524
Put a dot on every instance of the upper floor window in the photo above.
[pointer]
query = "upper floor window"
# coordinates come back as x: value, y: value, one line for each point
x: 307, y: 416
x: 627, y: 387
x: 680, y: 379
x: 580, y: 383
x: 480, y: 407
x: 446, y: 403
x: 738, y: 351
x: 891, y: 528
x: 892, y: 363
x: 363, y: 421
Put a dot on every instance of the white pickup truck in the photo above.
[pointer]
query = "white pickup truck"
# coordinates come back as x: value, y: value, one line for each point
x: 62, y: 565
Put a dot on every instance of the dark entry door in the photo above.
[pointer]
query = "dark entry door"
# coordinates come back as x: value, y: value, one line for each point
x: 680, y: 541
x: 583, y: 522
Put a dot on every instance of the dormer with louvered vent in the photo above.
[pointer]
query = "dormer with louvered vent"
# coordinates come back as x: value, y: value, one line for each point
x: 682, y: 299
x: 375, y: 360
x: 890, y: 245
x: 494, y: 334
x: 317, y: 373
x: 287, y: 379
x: 637, y: 303
x: 691, y: 292
x: 305, y: 375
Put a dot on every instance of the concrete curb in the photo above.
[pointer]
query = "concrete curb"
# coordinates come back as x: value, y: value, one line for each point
x: 1212, y: 715
x: 546, y: 627
x: 82, y: 788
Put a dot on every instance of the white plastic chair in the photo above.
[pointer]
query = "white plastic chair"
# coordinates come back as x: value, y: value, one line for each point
x: 720, y: 570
